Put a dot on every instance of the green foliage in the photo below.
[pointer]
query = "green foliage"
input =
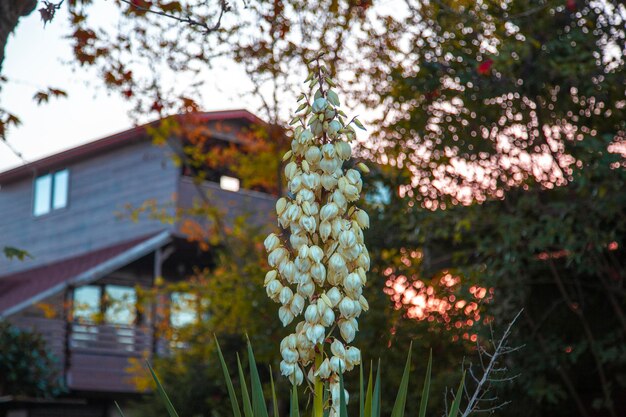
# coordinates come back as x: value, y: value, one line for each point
x: 15, y: 253
x: 26, y: 366
x: 258, y: 397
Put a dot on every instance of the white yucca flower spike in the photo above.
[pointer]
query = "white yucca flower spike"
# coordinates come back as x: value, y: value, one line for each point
x: 319, y: 260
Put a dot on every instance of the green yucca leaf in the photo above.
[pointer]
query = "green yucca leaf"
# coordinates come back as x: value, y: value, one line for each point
x: 247, y: 407
x: 426, y: 389
x: 361, y: 392
x: 325, y: 399
x: 343, y: 408
x: 400, y: 404
x: 376, y: 396
x: 229, y: 382
x: 259, y: 408
x: 274, y: 399
x: 456, y: 404
x: 168, y: 404
x: 368, y: 395
x: 294, y: 409
x: 119, y: 410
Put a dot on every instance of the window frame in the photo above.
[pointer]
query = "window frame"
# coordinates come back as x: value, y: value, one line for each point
x: 52, y: 189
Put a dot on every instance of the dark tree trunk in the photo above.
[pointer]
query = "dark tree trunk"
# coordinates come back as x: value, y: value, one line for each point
x: 10, y: 13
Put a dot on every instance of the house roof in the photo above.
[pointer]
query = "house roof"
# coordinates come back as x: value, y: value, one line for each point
x: 22, y: 289
x: 114, y: 141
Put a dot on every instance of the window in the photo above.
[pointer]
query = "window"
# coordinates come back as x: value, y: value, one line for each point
x: 229, y: 183
x: 51, y: 191
x: 183, y: 309
x: 120, y: 305
x: 115, y: 304
x: 86, y: 306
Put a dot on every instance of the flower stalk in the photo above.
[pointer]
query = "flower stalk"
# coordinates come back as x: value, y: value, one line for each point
x: 319, y: 261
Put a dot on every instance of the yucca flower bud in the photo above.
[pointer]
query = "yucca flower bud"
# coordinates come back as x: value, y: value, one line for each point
x: 334, y: 295
x: 273, y: 289
x: 291, y: 170
x: 343, y: 149
x: 353, y: 356
x: 352, y: 282
x: 287, y: 368
x: 271, y: 242
x: 347, y: 239
x: 324, y: 370
x: 270, y: 276
x: 297, y: 377
x: 315, y: 334
x: 316, y: 253
x: 329, y: 165
x: 303, y: 266
x: 298, y: 240
x: 353, y: 176
x: 336, y: 262
x: 328, y: 212
x: 347, y: 330
x: 287, y: 270
x: 329, y: 182
x: 328, y: 150
x: 276, y: 256
x: 328, y: 318
x: 335, y: 391
x: 347, y: 308
x: 325, y: 230
x: 337, y: 365
x: 297, y: 304
x: 289, y: 355
x: 364, y: 304
x: 311, y: 314
x: 318, y: 273
x: 337, y: 348
x: 285, y: 295
x: 313, y: 155
x: 289, y: 342
x: 285, y: 315
x: 281, y: 204
x: 307, y: 289
x: 362, y: 219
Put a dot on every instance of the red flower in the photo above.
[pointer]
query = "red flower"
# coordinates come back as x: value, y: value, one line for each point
x: 485, y: 67
x: 571, y: 5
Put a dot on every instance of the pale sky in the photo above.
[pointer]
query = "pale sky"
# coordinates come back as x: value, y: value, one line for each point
x: 35, y: 59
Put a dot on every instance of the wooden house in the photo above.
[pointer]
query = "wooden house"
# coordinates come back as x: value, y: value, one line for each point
x: 66, y: 212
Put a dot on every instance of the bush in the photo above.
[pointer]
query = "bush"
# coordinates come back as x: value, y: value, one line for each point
x: 27, y: 368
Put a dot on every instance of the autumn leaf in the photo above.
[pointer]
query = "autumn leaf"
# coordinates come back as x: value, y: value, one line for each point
x: 44, y: 96
x: 48, y: 11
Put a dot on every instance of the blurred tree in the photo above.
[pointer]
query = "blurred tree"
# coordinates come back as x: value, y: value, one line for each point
x: 520, y: 106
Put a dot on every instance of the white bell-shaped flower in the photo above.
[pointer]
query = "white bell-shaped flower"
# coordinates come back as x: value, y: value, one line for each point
x: 285, y: 315
x: 297, y: 304
x: 347, y: 330
x: 323, y: 371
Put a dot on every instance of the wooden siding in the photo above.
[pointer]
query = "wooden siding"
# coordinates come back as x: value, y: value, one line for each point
x: 99, y: 189
x: 259, y: 207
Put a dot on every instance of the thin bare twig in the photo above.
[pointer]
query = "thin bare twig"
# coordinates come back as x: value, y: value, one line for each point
x: 483, y: 384
x: 224, y: 7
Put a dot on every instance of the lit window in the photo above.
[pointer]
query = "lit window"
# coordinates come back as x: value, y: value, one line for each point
x: 51, y: 191
x: 229, y: 183
x: 183, y: 309
x: 120, y: 304
x: 86, y: 306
